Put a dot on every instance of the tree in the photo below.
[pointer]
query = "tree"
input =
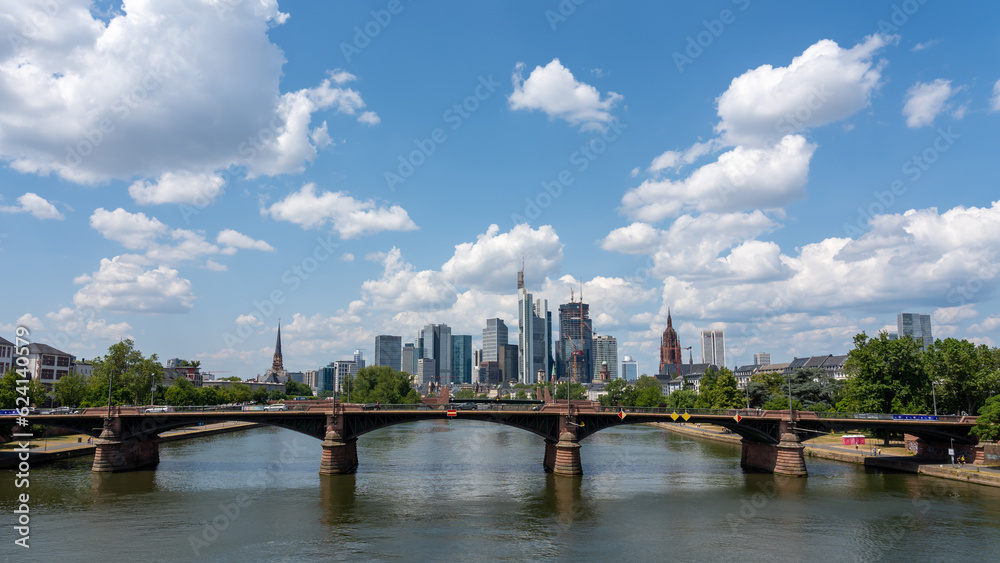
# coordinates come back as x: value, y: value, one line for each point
x: 260, y: 396
x: 465, y: 394
x: 618, y: 393
x: 964, y: 373
x: 682, y: 399
x: 988, y: 425
x: 133, y: 375
x: 232, y: 378
x: 296, y: 389
x: 71, y: 389
x: 10, y: 390
x: 719, y: 390
x: 577, y: 392
x: 183, y: 393
x: 886, y: 376
x: 772, y: 382
x: 381, y: 384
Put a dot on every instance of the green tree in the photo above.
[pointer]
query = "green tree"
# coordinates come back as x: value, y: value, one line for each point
x: 296, y: 389
x: 133, y: 374
x: 618, y: 393
x: 988, y: 424
x: 772, y: 382
x: 259, y: 396
x: 232, y: 378
x: 33, y: 392
x: 71, y: 389
x: 381, y: 384
x: 682, y: 399
x: 886, y: 376
x: 183, y: 393
x: 964, y: 373
x: 238, y: 393
x: 211, y: 396
x: 719, y: 390
x: 577, y: 392
x: 465, y: 394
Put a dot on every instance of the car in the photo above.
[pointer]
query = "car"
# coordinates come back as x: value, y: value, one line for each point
x: 278, y: 407
x: 64, y: 410
x: 156, y: 409
x: 465, y: 407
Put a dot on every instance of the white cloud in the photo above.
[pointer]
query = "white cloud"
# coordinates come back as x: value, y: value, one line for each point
x: 924, y: 101
x: 125, y: 286
x: 84, y: 326
x: 989, y: 324
x: 32, y: 203
x: 347, y: 257
x: 995, y: 100
x: 947, y: 315
x: 926, y: 45
x: 234, y: 240
x: 215, y: 266
x: 553, y: 90
x: 132, y: 230
x: 826, y: 83
x: 741, y: 178
x: 81, y: 97
x: 349, y: 217
x: 179, y: 187
x: 369, y: 118
x: 403, y: 288
x: 676, y: 160
x: 633, y: 239
x: 251, y: 319
x: 492, y: 262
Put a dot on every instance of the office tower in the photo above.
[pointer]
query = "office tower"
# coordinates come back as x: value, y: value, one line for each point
x: 670, y: 348
x: 359, y: 358
x: 915, y: 326
x: 435, y: 342
x: 489, y: 373
x: 426, y: 371
x: 389, y: 351
x: 713, y: 348
x: 534, y: 337
x: 461, y: 359
x: 408, y: 359
x: 326, y: 377
x: 606, y: 355
x: 494, y: 336
x: 508, y: 363
x: 342, y: 370
x: 575, y: 351
x: 630, y: 369
x: 762, y: 358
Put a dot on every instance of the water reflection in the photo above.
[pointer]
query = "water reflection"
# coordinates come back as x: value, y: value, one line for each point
x: 338, y: 494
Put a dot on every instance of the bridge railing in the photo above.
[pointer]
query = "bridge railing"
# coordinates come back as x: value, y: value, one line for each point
x: 669, y: 410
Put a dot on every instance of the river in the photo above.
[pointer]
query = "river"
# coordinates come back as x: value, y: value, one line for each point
x: 474, y: 491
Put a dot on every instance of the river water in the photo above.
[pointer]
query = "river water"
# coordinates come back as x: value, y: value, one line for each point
x: 474, y: 491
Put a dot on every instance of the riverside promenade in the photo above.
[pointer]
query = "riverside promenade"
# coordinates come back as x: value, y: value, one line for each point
x: 52, y: 448
x: 893, y: 458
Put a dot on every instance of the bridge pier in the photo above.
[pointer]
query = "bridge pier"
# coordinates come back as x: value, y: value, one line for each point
x: 339, y: 456
x: 787, y: 457
x: 113, y: 455
x: 564, y: 455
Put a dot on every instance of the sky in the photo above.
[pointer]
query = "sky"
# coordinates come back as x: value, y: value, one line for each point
x: 185, y: 173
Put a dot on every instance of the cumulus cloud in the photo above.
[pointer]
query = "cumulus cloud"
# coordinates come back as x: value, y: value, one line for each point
x: 233, y: 240
x: 492, y: 262
x: 83, y: 326
x: 135, y: 96
x: 34, y: 204
x: 402, y: 287
x: 925, y: 100
x: 553, y: 90
x: 347, y: 216
x: 180, y: 187
x: 132, y: 230
x: 123, y: 285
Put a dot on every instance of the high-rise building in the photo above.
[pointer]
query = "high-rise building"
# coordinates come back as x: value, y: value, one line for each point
x: 426, y: 371
x: 435, y: 343
x: 494, y: 336
x: 915, y: 326
x: 670, y: 347
x: 630, y: 369
x: 408, y: 359
x: 326, y: 378
x: 761, y: 359
x: 342, y: 370
x: 389, y: 351
x: 508, y: 363
x: 359, y: 358
x: 461, y: 359
x: 534, y: 334
x: 309, y: 378
x: 605, y: 356
x: 575, y: 350
x: 713, y: 348
x: 489, y: 373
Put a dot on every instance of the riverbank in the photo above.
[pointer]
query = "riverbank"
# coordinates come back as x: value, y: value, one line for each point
x: 53, y: 448
x: 893, y: 458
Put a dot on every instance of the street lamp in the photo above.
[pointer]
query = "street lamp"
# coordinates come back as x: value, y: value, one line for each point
x: 111, y: 378
x: 934, y: 396
x: 791, y: 411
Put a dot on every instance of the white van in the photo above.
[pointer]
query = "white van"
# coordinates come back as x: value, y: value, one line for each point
x: 278, y: 407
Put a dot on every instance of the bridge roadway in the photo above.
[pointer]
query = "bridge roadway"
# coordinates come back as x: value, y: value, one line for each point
x: 771, y: 440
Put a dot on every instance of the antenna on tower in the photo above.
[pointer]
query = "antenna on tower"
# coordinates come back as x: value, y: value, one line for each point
x: 571, y: 296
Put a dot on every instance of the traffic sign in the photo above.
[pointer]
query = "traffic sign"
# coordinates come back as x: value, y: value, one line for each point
x: 685, y: 416
x: 452, y: 413
x: 674, y: 416
x: 737, y: 417
x: 621, y: 414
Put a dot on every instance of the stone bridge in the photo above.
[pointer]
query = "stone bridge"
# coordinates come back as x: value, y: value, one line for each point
x: 127, y: 438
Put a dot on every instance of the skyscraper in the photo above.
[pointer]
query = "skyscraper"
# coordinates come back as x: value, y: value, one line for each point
x: 713, y: 348
x: 494, y: 336
x: 630, y: 369
x: 389, y: 351
x: 461, y: 359
x: 605, y: 354
x: 359, y: 358
x: 408, y: 359
x: 761, y: 358
x: 436, y: 345
x: 534, y: 335
x: 575, y: 350
x: 670, y: 347
x: 507, y: 363
x: 915, y: 326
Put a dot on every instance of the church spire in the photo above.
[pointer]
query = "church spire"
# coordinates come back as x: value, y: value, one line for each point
x: 276, y: 365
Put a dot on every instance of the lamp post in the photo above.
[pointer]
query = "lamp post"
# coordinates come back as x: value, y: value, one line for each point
x: 934, y: 396
x: 111, y: 378
x: 791, y: 411
x: 952, y: 452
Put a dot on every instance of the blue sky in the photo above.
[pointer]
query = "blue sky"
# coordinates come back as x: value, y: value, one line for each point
x: 184, y: 173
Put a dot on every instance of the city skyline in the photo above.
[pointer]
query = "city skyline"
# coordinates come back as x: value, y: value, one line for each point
x: 790, y: 175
